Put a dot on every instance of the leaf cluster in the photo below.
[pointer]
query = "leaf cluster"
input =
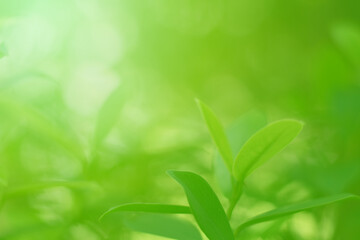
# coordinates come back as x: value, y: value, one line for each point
x: 204, y: 205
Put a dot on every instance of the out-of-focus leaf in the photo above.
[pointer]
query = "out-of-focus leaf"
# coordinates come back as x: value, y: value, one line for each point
x: 329, y: 179
x: 295, y: 208
x: 344, y: 101
x: 108, y: 115
x: 3, y: 50
x: 148, y: 207
x: 41, y: 125
x: 2, y: 191
x: 31, y: 231
x: 205, y: 205
x: 217, y: 133
x: 3, y: 184
x: 348, y: 39
x: 263, y: 145
x: 32, y: 188
x: 163, y: 225
x: 238, y: 132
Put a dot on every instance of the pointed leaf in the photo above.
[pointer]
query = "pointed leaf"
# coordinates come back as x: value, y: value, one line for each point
x: 295, y: 208
x: 238, y: 132
x: 218, y: 134
x: 163, y: 225
x: 148, y: 207
x: 263, y: 145
x: 205, y: 205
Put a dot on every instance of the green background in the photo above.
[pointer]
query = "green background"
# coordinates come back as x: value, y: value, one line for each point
x: 61, y: 61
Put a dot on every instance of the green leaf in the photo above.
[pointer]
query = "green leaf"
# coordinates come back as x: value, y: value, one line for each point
x: 263, y: 145
x: 42, y: 125
x: 31, y: 188
x: 238, y: 132
x: 205, y: 205
x: 148, y: 207
x: 30, y: 231
x: 163, y: 225
x: 294, y: 208
x: 217, y: 133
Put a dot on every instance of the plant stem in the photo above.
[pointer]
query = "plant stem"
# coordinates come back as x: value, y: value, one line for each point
x: 237, y: 191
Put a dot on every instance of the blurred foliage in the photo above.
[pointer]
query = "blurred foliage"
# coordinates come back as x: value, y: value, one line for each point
x: 97, y: 101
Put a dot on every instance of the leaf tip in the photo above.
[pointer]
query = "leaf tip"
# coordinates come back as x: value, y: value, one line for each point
x: 170, y: 172
x: 173, y: 174
x: 177, y: 175
x: 299, y: 125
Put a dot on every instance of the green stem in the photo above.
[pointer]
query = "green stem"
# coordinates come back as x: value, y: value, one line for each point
x: 237, y: 191
x: 237, y: 231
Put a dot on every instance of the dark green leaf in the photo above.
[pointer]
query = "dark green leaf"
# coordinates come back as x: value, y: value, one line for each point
x: 294, y: 208
x: 205, y: 205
